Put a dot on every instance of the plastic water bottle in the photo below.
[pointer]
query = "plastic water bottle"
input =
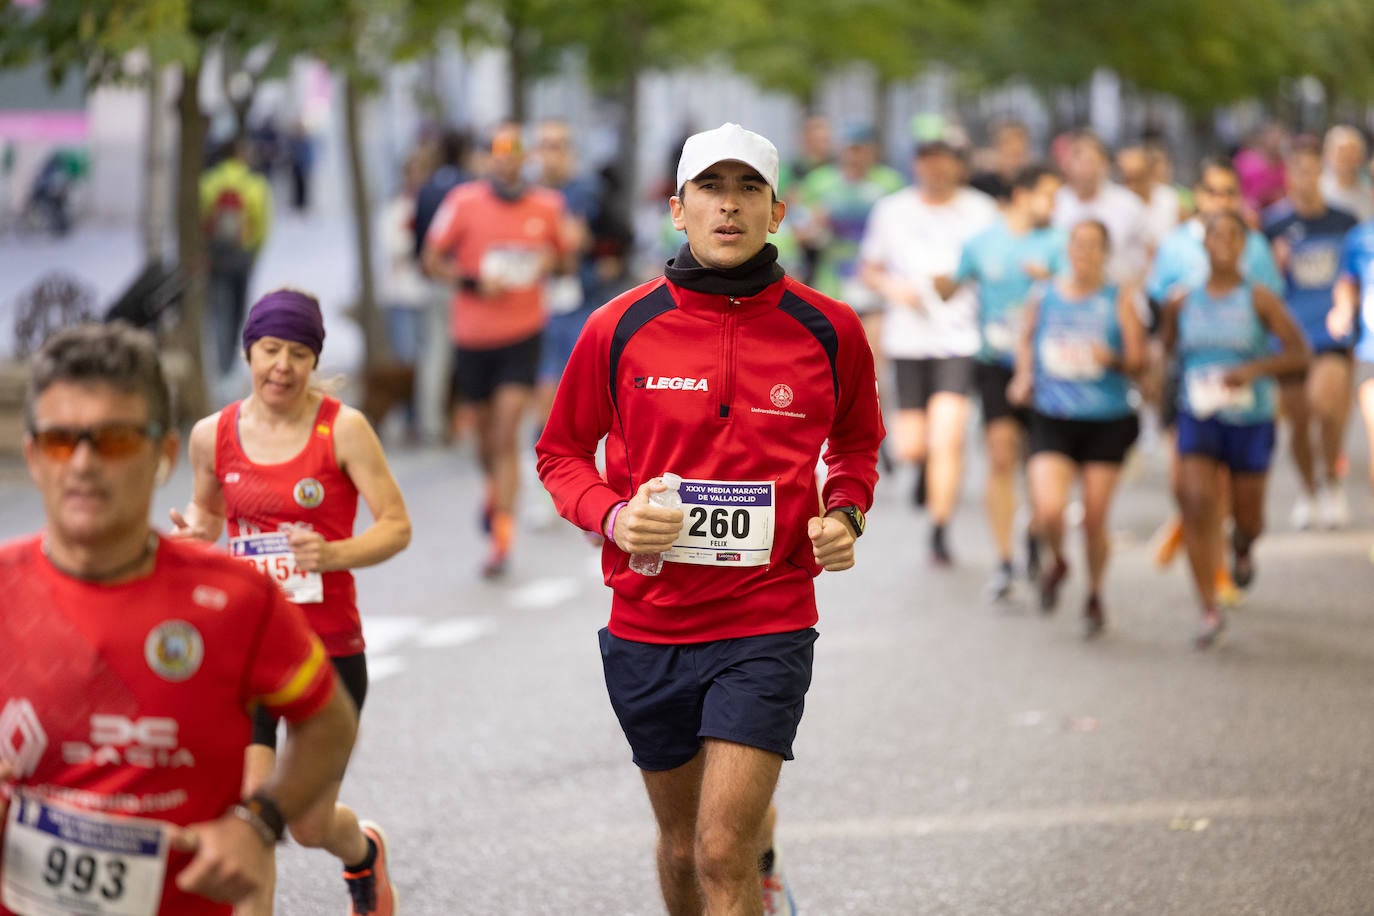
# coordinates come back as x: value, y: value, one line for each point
x: 651, y: 564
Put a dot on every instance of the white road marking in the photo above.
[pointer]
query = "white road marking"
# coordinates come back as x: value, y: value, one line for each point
x: 543, y: 593
x: 389, y: 637
x: 383, y: 632
x: 448, y: 633
x: 383, y: 667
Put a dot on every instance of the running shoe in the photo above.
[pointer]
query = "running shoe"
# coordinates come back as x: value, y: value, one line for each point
x: 370, y: 886
x: 1002, y: 583
x: 918, y: 489
x: 1032, y: 557
x: 494, y: 566
x: 1168, y: 540
x: 1332, y: 506
x: 1094, y: 619
x: 777, y: 894
x: 1227, y: 594
x: 1300, y: 517
x: 1213, y: 624
x: 1243, y: 570
x: 1049, y: 585
x: 939, y: 550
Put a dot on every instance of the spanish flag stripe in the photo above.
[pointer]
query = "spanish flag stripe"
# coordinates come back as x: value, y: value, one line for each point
x: 300, y: 681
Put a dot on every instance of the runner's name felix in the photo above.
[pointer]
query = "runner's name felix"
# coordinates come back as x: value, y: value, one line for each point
x: 725, y: 523
x: 60, y: 860
x: 1209, y: 394
x: 272, y: 554
x: 1070, y: 358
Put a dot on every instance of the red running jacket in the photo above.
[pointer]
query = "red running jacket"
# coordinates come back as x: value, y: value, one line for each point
x: 715, y: 388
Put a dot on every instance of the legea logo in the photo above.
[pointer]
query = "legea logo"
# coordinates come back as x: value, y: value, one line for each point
x: 22, y: 740
x: 672, y: 383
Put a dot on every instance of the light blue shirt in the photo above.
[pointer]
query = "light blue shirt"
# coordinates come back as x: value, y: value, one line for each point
x: 1182, y: 263
x: 996, y: 260
x: 1220, y: 333
x: 1069, y: 383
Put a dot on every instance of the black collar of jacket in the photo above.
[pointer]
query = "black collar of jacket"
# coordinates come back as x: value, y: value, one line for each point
x: 748, y: 279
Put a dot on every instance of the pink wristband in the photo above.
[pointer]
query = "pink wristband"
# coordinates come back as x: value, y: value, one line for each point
x: 610, y: 520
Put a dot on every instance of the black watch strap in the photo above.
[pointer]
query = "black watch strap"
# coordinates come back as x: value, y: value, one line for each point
x: 855, y: 516
x: 262, y: 808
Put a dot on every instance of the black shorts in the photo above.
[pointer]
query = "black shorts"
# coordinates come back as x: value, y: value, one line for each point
x: 1084, y: 441
x: 478, y: 373
x: 669, y: 697
x: 992, y: 381
x: 352, y: 671
x: 919, y: 379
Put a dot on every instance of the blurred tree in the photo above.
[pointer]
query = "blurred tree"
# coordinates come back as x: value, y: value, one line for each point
x: 1331, y: 42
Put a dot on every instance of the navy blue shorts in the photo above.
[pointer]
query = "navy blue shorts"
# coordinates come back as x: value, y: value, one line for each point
x: 1245, y: 448
x: 669, y: 697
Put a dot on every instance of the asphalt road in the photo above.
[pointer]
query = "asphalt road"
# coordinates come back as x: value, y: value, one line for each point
x: 955, y: 757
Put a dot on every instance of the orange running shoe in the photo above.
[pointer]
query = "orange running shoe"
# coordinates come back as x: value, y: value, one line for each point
x: 1228, y: 594
x: 370, y: 887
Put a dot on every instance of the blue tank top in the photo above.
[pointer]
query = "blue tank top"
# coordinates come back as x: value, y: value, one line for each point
x: 1213, y: 335
x: 1069, y: 381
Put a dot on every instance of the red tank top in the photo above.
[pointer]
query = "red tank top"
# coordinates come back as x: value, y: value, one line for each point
x: 264, y: 501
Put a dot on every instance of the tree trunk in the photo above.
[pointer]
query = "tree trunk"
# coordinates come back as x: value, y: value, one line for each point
x: 519, y: 71
x: 376, y: 352
x: 157, y: 180
x: 193, y: 391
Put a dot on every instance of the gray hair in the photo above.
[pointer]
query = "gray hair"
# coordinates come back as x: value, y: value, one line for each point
x: 115, y: 354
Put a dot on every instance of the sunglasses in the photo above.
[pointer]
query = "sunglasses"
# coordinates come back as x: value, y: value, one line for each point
x: 111, y: 440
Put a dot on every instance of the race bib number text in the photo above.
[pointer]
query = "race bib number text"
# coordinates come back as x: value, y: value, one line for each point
x: 1070, y: 358
x: 726, y: 523
x: 60, y: 860
x: 271, y: 554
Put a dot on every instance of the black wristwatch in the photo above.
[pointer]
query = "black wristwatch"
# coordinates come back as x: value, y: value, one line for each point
x: 262, y: 813
x: 855, y: 515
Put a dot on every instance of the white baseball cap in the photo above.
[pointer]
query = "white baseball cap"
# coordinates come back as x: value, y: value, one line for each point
x: 729, y: 142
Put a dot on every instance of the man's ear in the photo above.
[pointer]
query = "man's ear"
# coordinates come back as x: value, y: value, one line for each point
x: 677, y: 212
x: 779, y: 211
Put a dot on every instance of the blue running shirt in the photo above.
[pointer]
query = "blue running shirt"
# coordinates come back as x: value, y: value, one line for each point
x: 1181, y: 263
x: 1357, y: 262
x: 1069, y: 381
x: 1215, y: 334
x: 996, y: 259
x: 1314, y: 263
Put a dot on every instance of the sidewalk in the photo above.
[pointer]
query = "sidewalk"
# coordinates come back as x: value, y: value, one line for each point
x: 314, y: 253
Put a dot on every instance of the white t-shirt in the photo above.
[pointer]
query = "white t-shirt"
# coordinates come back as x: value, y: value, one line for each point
x: 1161, y: 213
x: 917, y: 242
x: 1125, y: 218
x: 401, y: 282
x: 1357, y: 201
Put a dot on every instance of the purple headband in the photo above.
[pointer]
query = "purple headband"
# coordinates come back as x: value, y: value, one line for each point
x: 288, y: 315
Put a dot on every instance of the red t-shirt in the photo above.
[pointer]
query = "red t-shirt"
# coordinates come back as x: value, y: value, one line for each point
x: 263, y: 500
x: 485, y: 234
x: 133, y: 699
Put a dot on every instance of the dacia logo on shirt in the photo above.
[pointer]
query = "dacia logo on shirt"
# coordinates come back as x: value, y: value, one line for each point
x: 116, y: 740
x: 674, y: 383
